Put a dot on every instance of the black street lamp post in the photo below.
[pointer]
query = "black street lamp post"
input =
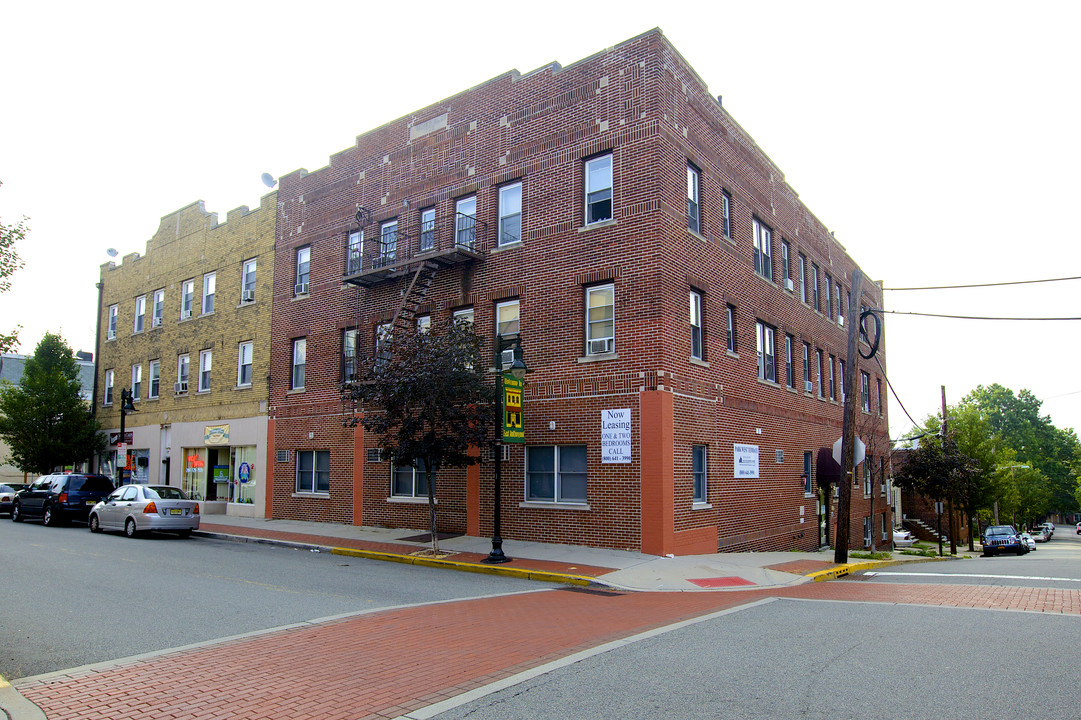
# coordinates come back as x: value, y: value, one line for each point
x: 518, y: 369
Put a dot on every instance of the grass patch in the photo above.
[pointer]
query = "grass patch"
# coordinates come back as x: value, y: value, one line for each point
x: 919, y: 552
x: 871, y: 556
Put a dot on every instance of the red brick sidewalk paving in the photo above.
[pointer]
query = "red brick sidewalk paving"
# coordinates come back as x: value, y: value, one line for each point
x: 385, y: 664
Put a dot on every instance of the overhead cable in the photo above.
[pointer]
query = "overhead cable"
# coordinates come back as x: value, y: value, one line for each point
x: 974, y: 317
x: 978, y: 285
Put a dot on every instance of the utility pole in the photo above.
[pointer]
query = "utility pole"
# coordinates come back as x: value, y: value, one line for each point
x: 949, y: 494
x: 848, y: 428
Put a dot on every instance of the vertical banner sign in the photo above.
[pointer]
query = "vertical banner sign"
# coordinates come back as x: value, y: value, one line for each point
x: 744, y: 461
x: 513, y: 426
x: 616, y: 436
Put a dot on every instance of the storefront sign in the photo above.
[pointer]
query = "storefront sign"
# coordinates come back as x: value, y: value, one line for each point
x: 744, y: 461
x: 216, y: 435
x: 243, y: 472
x: 616, y: 431
x: 115, y: 439
x: 513, y: 422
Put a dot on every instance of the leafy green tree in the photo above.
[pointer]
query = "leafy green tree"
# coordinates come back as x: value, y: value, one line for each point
x: 9, y: 263
x: 43, y: 419
x: 429, y: 402
x: 939, y: 470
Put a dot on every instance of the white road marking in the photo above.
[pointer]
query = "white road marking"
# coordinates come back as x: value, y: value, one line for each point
x: 973, y: 575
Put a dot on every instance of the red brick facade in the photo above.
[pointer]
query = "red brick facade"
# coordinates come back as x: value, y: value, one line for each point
x: 644, y: 106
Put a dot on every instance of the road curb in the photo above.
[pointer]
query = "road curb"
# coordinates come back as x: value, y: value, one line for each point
x: 15, y: 706
x: 847, y: 568
x: 524, y: 573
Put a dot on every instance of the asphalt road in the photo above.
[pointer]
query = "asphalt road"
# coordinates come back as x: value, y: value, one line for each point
x: 69, y: 597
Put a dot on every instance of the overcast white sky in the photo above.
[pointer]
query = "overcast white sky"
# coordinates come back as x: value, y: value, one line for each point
x: 938, y: 140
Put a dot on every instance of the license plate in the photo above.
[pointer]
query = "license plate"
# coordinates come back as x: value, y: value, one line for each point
x: 176, y: 511
x: 91, y: 503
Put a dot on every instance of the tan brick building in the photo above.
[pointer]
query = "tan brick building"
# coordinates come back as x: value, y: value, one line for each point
x: 186, y: 329
x: 680, y: 307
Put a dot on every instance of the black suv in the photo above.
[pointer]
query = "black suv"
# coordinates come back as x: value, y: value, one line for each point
x: 1002, y: 538
x: 56, y: 498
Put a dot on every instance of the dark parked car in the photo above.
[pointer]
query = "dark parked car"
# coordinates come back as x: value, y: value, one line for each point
x: 1002, y: 538
x: 58, y: 498
x: 7, y: 496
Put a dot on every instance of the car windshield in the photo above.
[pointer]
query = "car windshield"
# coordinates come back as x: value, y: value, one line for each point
x: 90, y: 483
x: 6, y: 488
x: 164, y: 492
x: 1000, y: 530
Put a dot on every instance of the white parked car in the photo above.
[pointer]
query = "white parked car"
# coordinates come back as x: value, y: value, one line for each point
x: 903, y: 538
x: 1028, y: 540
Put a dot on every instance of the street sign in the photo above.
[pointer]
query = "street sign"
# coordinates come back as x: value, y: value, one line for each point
x: 860, y: 452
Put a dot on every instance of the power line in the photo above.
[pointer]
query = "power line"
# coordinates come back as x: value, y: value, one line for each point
x: 972, y: 317
x: 979, y: 285
x: 895, y: 395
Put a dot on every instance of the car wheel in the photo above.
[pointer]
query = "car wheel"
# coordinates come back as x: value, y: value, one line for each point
x: 129, y: 528
x: 17, y: 514
x: 47, y: 516
x: 95, y: 527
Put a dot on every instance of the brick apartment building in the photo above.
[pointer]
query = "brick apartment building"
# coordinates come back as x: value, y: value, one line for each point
x: 186, y: 329
x: 656, y: 268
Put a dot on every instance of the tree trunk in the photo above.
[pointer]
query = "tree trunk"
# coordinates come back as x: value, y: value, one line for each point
x: 431, y: 508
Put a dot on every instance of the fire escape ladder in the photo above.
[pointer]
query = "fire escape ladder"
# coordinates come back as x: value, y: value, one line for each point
x: 413, y: 297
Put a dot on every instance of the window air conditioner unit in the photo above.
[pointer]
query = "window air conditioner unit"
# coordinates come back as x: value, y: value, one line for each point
x: 841, y: 320
x: 807, y: 386
x: 598, y: 347
x: 247, y: 296
x: 155, y: 322
x: 788, y: 285
x: 300, y: 289
x: 181, y: 387
x: 185, y: 314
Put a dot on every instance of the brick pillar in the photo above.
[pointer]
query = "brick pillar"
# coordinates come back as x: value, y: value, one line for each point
x: 358, y: 475
x: 472, y: 496
x: 268, y: 473
x: 655, y: 440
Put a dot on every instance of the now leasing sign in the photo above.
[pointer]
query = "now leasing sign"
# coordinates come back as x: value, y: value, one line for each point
x: 616, y: 436
x: 744, y: 461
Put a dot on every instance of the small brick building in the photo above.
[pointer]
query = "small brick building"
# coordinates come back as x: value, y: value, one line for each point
x: 659, y: 273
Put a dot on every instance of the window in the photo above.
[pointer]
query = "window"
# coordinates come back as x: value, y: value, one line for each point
x: 789, y: 367
x: 424, y: 323
x: 303, y: 270
x: 763, y: 253
x: 464, y: 315
x: 698, y: 472
x: 427, y: 229
x: 865, y: 391
x: 383, y: 337
x: 767, y: 367
x: 300, y: 354
x: 786, y: 264
x: 814, y: 288
x: 408, y: 481
x: 349, y: 355
x: 507, y: 324
x: 110, y: 333
x: 863, y: 328
x: 807, y: 467
x: 840, y: 304
x: 882, y: 474
x: 155, y: 380
x: 313, y: 471
x: 187, y: 299
x: 182, y: 365
x: 466, y: 222
x: 136, y: 382
x: 697, y: 350
x: 884, y: 535
x: 247, y: 282
x: 108, y: 398
x: 243, y: 364
x: 556, y: 473
x: 832, y: 378
x: 693, y: 216
x: 867, y: 532
x: 807, y: 367
x: 730, y: 328
x: 878, y: 382
x: 158, y: 312
x: 209, y: 284
x: 821, y: 390
x: 204, y: 370
x: 868, y: 476
x: 600, y: 320
x: 842, y: 383
x: 140, y: 312
x: 802, y: 279
x: 388, y: 242
x: 598, y: 190
x: 726, y: 214
x: 510, y: 214
x: 354, y: 252
x: 829, y: 296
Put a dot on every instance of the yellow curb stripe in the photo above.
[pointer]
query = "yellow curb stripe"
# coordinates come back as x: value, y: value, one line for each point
x: 842, y: 570
x: 539, y: 575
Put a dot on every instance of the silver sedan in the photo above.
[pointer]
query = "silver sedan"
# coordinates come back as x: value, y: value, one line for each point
x: 141, y: 508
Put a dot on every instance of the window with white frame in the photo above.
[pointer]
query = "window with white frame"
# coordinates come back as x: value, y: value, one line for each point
x: 350, y: 371
x: 313, y: 472
x: 427, y: 229
x: 155, y: 380
x: 424, y: 323
x: 807, y: 367
x: 694, y: 219
x: 247, y: 281
x: 829, y: 296
x: 726, y: 214
x: 817, y: 303
x: 802, y: 278
x: 698, y: 473
x: 136, y: 382
x: 107, y: 399
x: 556, y: 473
x: 840, y: 303
x: 383, y: 339
x: 832, y: 378
x: 303, y: 270
x: 183, y: 364
x: 388, y: 242
x: 807, y: 469
x: 697, y: 345
x: 464, y: 315
x: 243, y: 364
x: 600, y: 319
x: 865, y: 391
x: 786, y: 263
x: 767, y: 359
x: 187, y: 299
x: 730, y: 328
x: 763, y: 249
x: 408, y: 481
x: 300, y: 359
x: 205, y: 359
x: 878, y: 382
x: 510, y: 214
x: 140, y: 313
x: 354, y: 252
x: 883, y: 524
x: 507, y: 317
x: 868, y: 476
x: 465, y: 225
x: 842, y: 380
x: 882, y: 474
x: 158, y: 312
x: 821, y: 388
x: 867, y: 532
x: 210, y: 281
x: 598, y: 189
x: 110, y: 332
x: 789, y: 366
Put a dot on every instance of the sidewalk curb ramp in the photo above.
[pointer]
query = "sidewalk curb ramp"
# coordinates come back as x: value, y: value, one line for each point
x: 527, y: 574
x: 14, y: 706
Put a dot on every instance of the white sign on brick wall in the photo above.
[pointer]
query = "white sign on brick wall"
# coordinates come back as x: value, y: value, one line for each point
x: 616, y: 433
x: 744, y: 461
